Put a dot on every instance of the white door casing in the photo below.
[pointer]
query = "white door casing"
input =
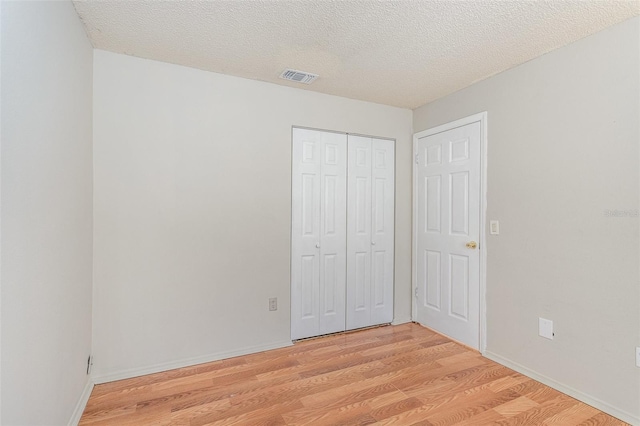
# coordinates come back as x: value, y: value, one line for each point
x: 448, y: 219
x: 318, y: 233
x: 370, y: 231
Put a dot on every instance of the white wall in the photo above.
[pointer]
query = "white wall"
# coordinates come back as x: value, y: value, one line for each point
x: 46, y: 218
x: 193, y: 211
x: 563, y: 148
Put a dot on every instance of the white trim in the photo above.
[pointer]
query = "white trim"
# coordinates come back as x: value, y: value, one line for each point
x: 483, y: 230
x: 82, y: 403
x: 568, y: 390
x: 414, y: 230
x: 1, y: 214
x: 482, y: 118
x: 340, y: 132
x: 142, y: 371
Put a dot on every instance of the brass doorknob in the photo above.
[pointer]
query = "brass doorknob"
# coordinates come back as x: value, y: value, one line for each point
x: 472, y: 244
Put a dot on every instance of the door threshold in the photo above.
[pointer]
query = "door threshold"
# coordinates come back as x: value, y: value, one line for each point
x: 337, y: 333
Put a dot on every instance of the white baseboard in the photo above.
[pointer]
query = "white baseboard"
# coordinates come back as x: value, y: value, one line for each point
x: 82, y: 403
x: 581, y: 396
x: 135, y: 372
x: 402, y: 320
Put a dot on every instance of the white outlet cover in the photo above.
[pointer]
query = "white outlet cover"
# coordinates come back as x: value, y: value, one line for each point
x: 494, y: 227
x: 545, y: 328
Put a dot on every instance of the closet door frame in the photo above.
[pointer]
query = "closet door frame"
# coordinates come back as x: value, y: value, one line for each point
x: 295, y: 227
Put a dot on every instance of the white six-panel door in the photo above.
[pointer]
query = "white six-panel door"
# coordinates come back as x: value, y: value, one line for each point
x: 448, y: 232
x: 370, y: 231
x: 318, y: 243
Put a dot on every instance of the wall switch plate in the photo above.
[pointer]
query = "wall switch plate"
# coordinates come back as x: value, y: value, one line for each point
x: 273, y: 304
x: 494, y: 227
x: 545, y: 328
x: 638, y: 356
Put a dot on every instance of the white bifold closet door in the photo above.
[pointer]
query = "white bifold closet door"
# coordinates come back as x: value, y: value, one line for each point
x: 318, y: 243
x: 370, y: 231
x: 342, y: 233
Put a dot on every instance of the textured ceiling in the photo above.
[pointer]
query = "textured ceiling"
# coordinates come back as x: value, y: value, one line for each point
x: 402, y: 53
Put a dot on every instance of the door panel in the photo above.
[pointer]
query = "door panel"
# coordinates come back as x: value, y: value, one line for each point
x: 333, y: 232
x: 370, y: 231
x: 362, y: 197
x: 309, y: 205
x: 432, y: 198
x: 383, y: 229
x: 359, y: 232
x: 379, y: 281
x: 448, y: 217
x: 361, y: 282
x: 432, y: 279
x: 331, y: 204
x: 459, y: 286
x: 459, y: 209
x: 318, y: 232
x: 330, y: 283
x: 309, y: 284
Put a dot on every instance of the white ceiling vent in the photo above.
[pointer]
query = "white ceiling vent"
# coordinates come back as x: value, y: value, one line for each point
x: 298, y: 76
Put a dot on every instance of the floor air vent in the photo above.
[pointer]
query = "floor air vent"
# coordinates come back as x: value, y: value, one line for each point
x: 298, y: 76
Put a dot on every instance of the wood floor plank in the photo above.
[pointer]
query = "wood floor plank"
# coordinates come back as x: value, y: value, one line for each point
x: 386, y: 399
x: 309, y: 385
x: 538, y: 415
x: 108, y: 415
x: 184, y: 417
x: 442, y: 385
x: 602, y: 419
x: 576, y: 414
x: 344, y: 392
x: 395, y: 408
x: 348, y: 394
x: 515, y: 406
x: 392, y: 375
x: 488, y: 417
x: 261, y: 414
x: 409, y: 417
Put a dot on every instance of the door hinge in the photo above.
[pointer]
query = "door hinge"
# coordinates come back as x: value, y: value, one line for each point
x: 417, y: 159
x: 415, y: 292
x: 89, y: 364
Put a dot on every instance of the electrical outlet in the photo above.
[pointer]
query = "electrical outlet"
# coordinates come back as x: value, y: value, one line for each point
x: 273, y: 304
x: 545, y: 328
x: 494, y: 227
x: 638, y: 356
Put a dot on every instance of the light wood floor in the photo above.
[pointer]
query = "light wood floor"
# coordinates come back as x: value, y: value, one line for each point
x: 394, y: 375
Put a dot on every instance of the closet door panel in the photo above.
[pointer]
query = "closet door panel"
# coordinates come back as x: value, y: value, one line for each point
x: 305, y: 233
x: 318, y: 233
x: 383, y: 224
x: 359, y: 232
x: 333, y: 228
